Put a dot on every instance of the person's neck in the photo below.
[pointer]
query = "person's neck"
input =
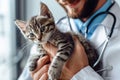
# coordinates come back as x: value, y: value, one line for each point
x: 99, y: 5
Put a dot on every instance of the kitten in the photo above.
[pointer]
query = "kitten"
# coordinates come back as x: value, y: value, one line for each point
x: 41, y: 29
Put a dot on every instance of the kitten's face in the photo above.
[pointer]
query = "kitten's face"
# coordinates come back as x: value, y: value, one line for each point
x: 39, y: 28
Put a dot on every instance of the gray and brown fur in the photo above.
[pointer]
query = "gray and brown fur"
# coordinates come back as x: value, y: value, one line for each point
x: 41, y: 29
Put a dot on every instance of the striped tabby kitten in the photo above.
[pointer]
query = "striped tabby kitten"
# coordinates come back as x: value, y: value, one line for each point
x: 41, y: 29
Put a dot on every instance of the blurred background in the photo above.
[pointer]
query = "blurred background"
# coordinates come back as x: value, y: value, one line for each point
x: 14, y: 49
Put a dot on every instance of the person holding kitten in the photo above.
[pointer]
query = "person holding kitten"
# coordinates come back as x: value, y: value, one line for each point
x: 102, y: 31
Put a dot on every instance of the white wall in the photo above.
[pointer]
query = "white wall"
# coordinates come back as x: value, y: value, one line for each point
x: 7, y: 40
x: 118, y: 1
x: 33, y: 8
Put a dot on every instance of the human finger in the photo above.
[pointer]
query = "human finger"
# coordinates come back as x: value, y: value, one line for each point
x: 44, y: 77
x: 40, y: 63
x: 41, y: 73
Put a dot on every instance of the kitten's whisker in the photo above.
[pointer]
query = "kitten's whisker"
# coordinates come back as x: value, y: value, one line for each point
x: 25, y: 44
x: 20, y: 53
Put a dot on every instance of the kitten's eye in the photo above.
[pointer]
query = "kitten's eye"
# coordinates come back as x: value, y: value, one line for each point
x: 31, y: 36
x: 44, y: 28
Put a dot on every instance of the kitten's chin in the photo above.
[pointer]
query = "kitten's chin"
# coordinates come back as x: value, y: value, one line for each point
x: 40, y: 42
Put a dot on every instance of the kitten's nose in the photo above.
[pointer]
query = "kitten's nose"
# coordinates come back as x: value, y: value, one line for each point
x: 39, y: 38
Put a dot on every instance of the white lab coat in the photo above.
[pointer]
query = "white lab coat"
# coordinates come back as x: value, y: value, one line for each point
x: 111, y: 56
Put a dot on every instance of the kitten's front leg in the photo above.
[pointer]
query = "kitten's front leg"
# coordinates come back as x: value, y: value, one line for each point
x: 55, y: 68
x: 58, y: 61
x: 33, y: 61
x: 34, y: 58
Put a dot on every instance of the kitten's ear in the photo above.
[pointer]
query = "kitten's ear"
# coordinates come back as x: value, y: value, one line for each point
x: 21, y: 25
x: 45, y: 10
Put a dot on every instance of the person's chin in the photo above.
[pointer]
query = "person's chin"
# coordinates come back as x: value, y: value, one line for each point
x: 73, y: 15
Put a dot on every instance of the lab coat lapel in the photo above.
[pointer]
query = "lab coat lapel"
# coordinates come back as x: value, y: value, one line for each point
x: 100, y: 34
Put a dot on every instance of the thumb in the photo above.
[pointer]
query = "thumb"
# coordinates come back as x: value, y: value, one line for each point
x: 51, y: 49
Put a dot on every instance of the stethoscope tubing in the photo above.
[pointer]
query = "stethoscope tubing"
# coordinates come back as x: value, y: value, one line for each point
x: 108, y: 35
x: 101, y: 13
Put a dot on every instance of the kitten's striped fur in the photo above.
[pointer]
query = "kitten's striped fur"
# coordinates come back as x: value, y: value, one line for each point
x: 41, y: 29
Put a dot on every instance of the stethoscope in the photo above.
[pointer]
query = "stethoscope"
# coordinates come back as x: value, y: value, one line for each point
x: 109, y: 35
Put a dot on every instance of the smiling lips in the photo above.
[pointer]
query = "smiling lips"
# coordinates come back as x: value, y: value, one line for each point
x: 74, y: 3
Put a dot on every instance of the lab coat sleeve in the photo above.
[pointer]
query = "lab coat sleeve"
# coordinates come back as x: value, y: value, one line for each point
x: 25, y: 74
x: 87, y: 73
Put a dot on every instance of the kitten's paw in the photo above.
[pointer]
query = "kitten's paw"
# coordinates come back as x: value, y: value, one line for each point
x: 33, y: 62
x: 32, y: 66
x: 54, y: 73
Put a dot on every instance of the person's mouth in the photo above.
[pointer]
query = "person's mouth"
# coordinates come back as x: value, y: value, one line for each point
x: 73, y: 4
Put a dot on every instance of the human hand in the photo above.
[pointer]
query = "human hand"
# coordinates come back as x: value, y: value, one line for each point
x: 40, y: 73
x: 75, y: 63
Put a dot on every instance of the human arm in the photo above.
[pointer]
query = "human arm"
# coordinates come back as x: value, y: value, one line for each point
x: 25, y: 75
x: 87, y: 73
